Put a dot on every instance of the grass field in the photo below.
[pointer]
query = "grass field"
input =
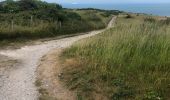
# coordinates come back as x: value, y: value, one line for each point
x: 24, y: 28
x: 128, y: 62
x: 34, y: 19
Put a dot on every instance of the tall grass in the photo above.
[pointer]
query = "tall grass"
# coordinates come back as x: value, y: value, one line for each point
x: 25, y: 28
x: 128, y: 62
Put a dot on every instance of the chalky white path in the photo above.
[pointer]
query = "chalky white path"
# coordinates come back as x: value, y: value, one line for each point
x: 17, y: 83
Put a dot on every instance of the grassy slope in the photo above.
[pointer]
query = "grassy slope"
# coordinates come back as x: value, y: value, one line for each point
x: 128, y: 62
x: 73, y: 23
x: 42, y: 29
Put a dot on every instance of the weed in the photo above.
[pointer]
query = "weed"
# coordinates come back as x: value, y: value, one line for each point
x: 38, y: 83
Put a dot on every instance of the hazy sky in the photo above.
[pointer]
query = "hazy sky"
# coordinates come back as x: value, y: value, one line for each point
x: 106, y: 1
x: 109, y: 1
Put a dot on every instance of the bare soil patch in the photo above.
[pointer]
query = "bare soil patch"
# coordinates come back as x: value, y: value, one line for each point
x: 49, y: 78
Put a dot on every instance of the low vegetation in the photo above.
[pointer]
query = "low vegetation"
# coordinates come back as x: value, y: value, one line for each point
x: 128, y: 62
x: 32, y: 19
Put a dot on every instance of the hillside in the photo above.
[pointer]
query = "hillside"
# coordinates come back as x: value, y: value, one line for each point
x: 128, y: 62
x: 104, y: 55
x: 31, y: 19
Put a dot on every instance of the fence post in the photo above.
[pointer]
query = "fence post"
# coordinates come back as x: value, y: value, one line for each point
x: 60, y: 24
x: 12, y: 22
x: 31, y: 21
x: 71, y: 23
x: 12, y: 25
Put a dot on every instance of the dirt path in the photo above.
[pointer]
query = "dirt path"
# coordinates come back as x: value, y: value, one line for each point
x: 50, y: 85
x: 17, y: 82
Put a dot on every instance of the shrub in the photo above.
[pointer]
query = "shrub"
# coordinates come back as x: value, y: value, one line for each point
x: 129, y: 16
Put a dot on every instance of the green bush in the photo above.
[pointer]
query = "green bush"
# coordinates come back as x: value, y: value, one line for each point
x: 129, y: 16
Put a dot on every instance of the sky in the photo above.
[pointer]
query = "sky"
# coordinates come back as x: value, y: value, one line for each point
x: 104, y: 1
x: 107, y: 1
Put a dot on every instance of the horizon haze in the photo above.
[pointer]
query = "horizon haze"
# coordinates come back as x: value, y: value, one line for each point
x: 106, y: 2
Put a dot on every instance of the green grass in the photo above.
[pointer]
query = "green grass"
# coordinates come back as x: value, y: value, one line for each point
x: 22, y: 30
x: 24, y: 20
x: 128, y: 62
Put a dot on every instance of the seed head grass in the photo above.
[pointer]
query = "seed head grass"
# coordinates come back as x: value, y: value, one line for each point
x: 128, y: 62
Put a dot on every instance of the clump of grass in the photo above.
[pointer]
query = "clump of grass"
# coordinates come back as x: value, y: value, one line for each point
x: 150, y: 19
x: 130, y: 61
x: 44, y: 95
x: 129, y: 16
x: 38, y: 83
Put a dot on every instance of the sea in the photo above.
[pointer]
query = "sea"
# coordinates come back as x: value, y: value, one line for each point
x: 161, y: 9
